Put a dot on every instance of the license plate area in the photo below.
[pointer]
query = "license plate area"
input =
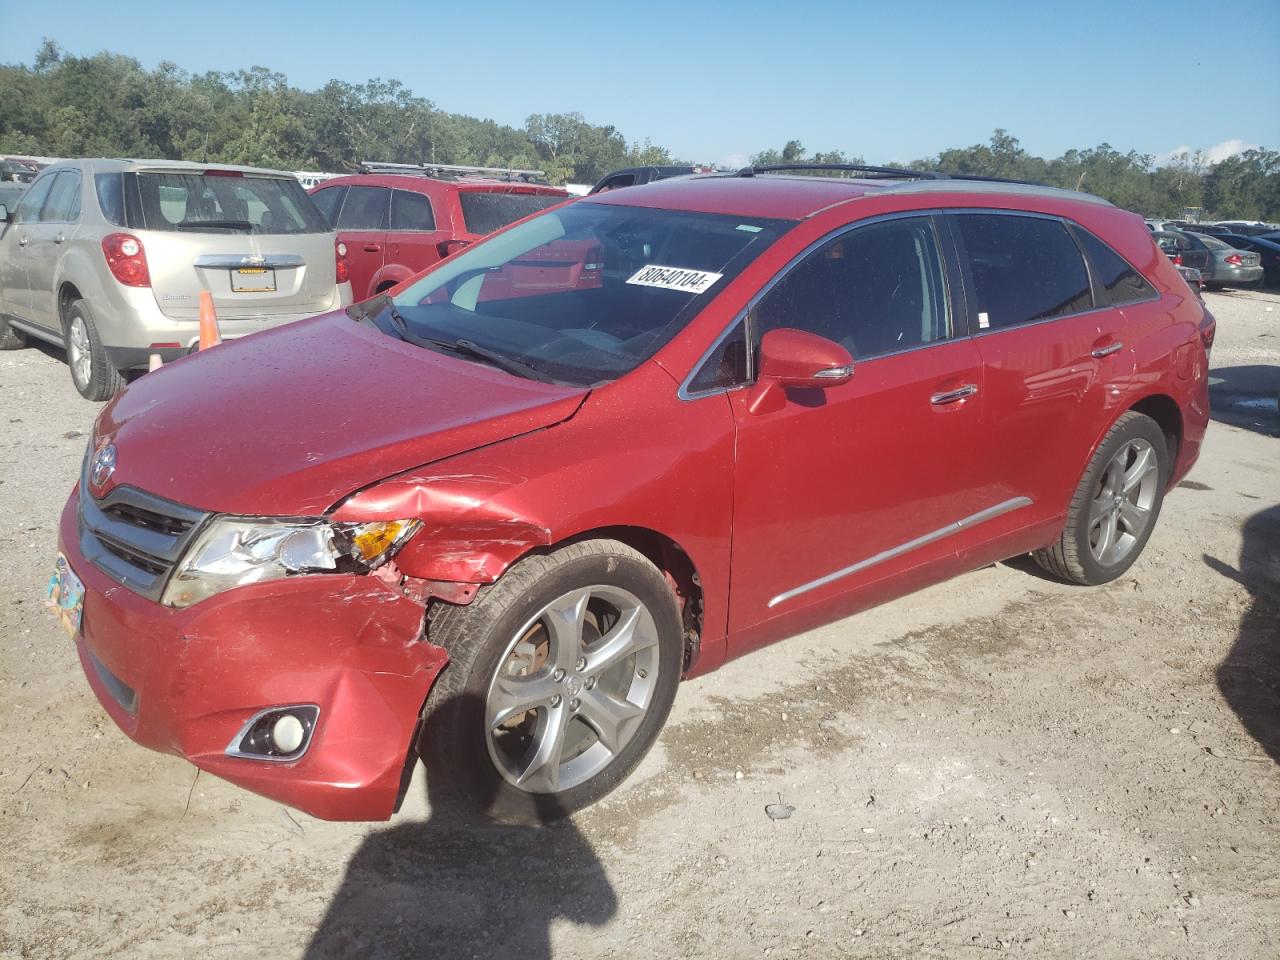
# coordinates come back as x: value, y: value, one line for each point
x: 253, y: 280
x: 65, y: 596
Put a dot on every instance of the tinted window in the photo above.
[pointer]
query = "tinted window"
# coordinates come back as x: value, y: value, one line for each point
x: 726, y: 366
x: 1024, y: 269
x: 411, y: 211
x: 1213, y: 243
x: 485, y: 212
x: 877, y: 289
x: 1118, y: 281
x: 613, y: 183
x: 110, y: 190
x: 365, y: 209
x: 327, y: 202
x: 31, y: 202
x: 63, y: 205
x: 223, y: 203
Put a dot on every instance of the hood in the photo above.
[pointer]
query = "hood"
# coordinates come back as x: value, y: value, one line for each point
x: 289, y: 421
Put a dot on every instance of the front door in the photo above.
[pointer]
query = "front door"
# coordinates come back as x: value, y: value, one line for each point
x: 17, y: 241
x: 845, y: 487
x: 49, y: 238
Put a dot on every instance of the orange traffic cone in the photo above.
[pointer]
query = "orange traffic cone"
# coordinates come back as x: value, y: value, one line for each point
x: 209, y: 336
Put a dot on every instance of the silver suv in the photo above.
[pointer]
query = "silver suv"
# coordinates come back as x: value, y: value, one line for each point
x: 108, y: 258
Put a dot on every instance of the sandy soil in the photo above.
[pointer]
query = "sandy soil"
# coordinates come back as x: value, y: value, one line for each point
x: 1000, y: 763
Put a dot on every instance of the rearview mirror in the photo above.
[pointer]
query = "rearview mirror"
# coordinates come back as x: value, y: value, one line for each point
x: 795, y: 359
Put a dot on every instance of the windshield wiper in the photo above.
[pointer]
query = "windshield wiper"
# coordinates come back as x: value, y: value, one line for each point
x: 461, y: 347
x: 215, y: 224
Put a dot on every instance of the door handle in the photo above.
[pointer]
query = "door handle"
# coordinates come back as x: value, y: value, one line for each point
x: 371, y: 248
x: 60, y: 238
x: 1108, y: 350
x: 951, y: 396
x: 22, y: 241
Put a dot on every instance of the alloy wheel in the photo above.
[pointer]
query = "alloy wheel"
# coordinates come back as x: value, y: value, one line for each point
x: 571, y: 689
x: 1120, y: 511
x: 79, y: 355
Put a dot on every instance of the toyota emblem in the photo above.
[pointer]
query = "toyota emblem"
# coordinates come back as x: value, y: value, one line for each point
x: 104, y: 465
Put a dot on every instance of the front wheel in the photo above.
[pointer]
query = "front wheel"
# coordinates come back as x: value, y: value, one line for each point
x: 1116, y: 505
x: 560, y: 678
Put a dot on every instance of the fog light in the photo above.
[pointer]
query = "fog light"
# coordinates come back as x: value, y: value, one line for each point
x: 277, y: 733
x: 287, y: 732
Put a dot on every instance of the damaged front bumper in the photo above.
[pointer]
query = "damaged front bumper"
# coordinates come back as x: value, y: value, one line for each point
x: 186, y: 681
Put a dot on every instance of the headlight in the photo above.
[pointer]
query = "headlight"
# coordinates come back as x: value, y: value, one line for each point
x: 234, y: 551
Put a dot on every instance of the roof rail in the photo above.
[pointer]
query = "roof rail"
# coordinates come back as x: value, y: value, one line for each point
x: 899, y: 173
x: 450, y: 171
x: 895, y: 172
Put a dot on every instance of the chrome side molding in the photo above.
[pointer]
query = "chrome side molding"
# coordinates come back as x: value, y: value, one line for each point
x: 951, y: 528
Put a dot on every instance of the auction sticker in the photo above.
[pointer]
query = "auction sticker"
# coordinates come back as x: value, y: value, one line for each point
x: 674, y: 278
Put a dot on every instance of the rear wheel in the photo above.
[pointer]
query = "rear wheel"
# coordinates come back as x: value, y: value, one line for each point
x: 1116, y: 505
x: 560, y: 678
x: 91, y: 371
x: 11, y: 338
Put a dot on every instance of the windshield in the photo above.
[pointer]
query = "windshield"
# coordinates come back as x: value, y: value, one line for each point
x: 487, y: 211
x: 585, y: 293
x: 218, y: 202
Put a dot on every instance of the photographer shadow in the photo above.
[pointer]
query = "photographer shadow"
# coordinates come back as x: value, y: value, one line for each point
x: 1249, y: 676
x: 461, y: 886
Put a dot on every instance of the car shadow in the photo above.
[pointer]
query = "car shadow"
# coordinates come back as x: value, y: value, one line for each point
x: 1249, y: 676
x: 1246, y: 396
x: 459, y: 885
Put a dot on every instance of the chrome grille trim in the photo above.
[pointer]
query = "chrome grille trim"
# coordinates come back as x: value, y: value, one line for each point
x: 134, y: 537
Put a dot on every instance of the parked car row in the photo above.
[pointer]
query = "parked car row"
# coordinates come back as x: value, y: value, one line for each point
x: 1219, y: 263
x: 615, y: 445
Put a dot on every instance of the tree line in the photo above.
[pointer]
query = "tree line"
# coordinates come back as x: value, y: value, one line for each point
x: 109, y: 105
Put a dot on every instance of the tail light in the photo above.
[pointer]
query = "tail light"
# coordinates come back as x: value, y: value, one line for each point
x: 1177, y: 259
x: 1233, y: 259
x: 126, y: 259
x: 342, y: 268
x: 447, y: 247
x: 1208, y: 328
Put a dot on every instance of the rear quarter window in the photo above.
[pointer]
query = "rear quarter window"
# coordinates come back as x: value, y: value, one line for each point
x: 1024, y: 269
x: 1115, y: 279
x: 110, y: 190
x: 487, y: 211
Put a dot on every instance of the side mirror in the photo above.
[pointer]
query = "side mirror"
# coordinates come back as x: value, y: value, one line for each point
x: 795, y: 359
x: 4, y: 213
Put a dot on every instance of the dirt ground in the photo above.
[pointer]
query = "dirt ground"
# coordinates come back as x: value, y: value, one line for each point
x: 1001, y: 763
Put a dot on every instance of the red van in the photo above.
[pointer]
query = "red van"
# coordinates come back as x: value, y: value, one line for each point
x: 398, y: 219
x: 498, y: 522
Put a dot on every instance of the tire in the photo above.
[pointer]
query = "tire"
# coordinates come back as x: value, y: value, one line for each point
x: 10, y: 338
x: 91, y: 371
x: 1103, y: 536
x: 505, y: 774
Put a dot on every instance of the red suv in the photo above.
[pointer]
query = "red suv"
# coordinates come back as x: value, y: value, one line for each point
x: 398, y: 219
x: 500, y: 520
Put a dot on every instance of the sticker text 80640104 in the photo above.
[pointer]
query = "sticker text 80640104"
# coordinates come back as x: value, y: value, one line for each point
x: 674, y: 278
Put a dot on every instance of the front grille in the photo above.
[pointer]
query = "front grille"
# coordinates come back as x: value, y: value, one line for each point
x: 134, y: 537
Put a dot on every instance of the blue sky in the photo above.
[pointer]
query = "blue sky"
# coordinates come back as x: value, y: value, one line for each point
x: 716, y: 82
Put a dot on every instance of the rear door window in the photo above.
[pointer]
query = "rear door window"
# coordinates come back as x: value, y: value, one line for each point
x: 875, y: 290
x: 487, y: 211
x: 63, y: 205
x: 1023, y: 269
x: 1114, y: 279
x: 223, y: 202
x: 411, y: 211
x: 365, y: 208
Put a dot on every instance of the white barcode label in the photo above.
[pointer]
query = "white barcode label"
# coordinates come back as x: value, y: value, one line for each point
x: 674, y: 278
x: 983, y: 322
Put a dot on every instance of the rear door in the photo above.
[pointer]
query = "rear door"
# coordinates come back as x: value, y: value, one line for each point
x: 17, y: 239
x: 1048, y: 354
x: 49, y: 238
x: 256, y: 242
x: 417, y: 235
x: 362, y: 225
